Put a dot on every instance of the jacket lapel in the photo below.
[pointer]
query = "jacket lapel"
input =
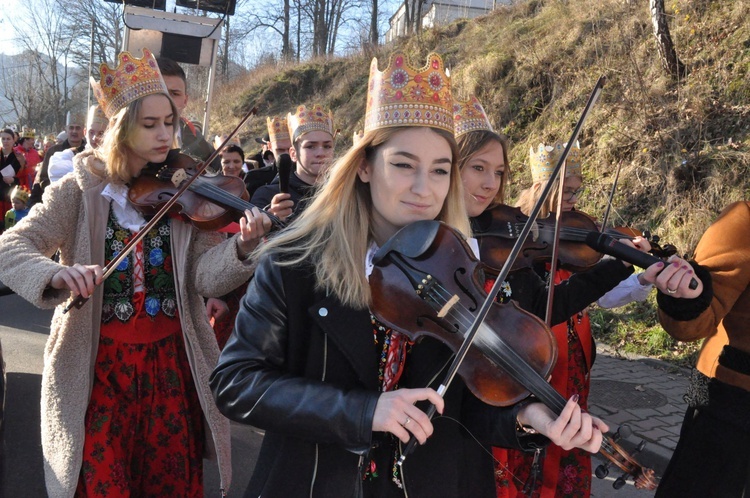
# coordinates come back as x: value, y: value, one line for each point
x: 351, y: 332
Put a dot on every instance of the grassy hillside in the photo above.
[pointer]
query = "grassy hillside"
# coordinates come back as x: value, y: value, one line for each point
x: 683, y: 145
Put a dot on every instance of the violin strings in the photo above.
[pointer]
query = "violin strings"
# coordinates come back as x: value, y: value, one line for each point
x: 514, y: 364
x: 230, y: 200
x: 440, y: 295
x: 574, y: 231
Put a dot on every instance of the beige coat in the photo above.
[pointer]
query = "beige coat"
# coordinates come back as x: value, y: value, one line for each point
x: 73, y: 218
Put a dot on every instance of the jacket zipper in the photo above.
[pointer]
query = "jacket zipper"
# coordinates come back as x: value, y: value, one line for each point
x: 323, y: 378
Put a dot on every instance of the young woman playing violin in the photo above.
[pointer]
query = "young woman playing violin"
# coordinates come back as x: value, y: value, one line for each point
x: 567, y: 473
x: 485, y: 171
x: 335, y: 390
x: 126, y: 406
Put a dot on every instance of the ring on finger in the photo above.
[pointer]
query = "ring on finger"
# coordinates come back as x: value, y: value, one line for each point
x: 671, y: 291
x: 408, y: 419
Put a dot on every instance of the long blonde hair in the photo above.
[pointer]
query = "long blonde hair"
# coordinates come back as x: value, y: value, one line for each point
x: 335, y: 230
x: 470, y: 143
x: 118, y: 141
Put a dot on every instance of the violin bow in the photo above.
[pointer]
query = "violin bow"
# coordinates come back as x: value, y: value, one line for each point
x: 611, y: 197
x: 492, y: 294
x: 110, y: 268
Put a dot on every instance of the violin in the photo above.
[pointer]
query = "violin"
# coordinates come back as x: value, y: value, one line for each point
x: 427, y: 283
x: 498, y: 229
x: 210, y: 203
x: 182, y: 183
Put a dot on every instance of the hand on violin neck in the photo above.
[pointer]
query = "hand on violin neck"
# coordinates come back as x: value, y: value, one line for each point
x: 573, y: 428
x: 395, y: 413
x: 253, y: 226
x: 639, y: 243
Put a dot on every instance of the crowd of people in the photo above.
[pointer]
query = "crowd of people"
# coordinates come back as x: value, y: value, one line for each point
x: 271, y: 320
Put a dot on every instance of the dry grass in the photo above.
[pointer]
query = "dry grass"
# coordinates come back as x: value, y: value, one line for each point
x: 683, y: 145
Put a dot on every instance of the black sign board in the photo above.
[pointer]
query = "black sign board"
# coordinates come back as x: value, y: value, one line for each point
x: 148, y: 4
x: 220, y: 6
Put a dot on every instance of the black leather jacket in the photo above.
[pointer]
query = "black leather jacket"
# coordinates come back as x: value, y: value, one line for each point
x: 304, y: 368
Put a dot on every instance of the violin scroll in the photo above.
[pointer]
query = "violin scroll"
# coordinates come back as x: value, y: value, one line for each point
x: 643, y: 477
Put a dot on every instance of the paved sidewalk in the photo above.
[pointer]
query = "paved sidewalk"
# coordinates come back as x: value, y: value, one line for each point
x: 646, y: 395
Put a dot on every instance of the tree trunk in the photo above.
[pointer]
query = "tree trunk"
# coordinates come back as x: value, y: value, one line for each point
x: 286, y: 50
x: 225, y: 59
x: 374, y: 35
x: 418, y: 17
x: 667, y: 54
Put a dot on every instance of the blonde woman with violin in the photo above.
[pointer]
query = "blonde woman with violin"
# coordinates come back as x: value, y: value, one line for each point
x: 126, y: 406
x: 310, y: 363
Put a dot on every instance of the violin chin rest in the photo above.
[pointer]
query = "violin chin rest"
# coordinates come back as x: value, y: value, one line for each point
x: 411, y: 241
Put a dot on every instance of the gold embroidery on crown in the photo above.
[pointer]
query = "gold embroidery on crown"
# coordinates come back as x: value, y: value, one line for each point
x: 401, y: 95
x: 132, y: 79
x: 307, y: 119
x: 544, y: 160
x: 469, y: 116
x: 277, y: 128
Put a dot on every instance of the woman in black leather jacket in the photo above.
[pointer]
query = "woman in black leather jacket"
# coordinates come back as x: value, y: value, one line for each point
x: 334, y: 390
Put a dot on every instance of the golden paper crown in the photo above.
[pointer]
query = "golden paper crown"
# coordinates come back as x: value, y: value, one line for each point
x: 307, y: 119
x: 132, y: 79
x: 469, y: 116
x: 544, y: 160
x: 96, y: 115
x: 277, y: 128
x: 50, y: 138
x: 27, y: 132
x: 401, y: 95
x: 75, y: 117
x: 20, y: 192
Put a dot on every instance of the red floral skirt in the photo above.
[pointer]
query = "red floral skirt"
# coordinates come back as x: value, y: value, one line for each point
x: 144, y: 423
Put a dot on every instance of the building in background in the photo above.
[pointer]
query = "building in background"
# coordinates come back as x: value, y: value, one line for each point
x: 439, y: 12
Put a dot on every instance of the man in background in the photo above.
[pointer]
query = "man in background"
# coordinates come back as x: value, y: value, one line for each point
x: 189, y: 137
x: 75, y: 123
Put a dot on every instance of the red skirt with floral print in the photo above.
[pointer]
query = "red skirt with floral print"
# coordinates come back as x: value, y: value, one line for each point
x: 144, y: 424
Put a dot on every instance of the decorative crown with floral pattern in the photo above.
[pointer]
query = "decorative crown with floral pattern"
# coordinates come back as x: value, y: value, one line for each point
x: 132, y: 79
x: 277, y: 128
x: 27, y: 132
x: 96, y: 115
x: 307, y: 119
x: 20, y: 192
x: 469, y: 116
x: 401, y: 95
x: 544, y: 160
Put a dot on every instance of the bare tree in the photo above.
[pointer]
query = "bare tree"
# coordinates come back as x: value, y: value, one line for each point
x: 96, y: 25
x: 667, y: 53
x: 374, y: 32
x: 48, y: 54
x: 413, y: 15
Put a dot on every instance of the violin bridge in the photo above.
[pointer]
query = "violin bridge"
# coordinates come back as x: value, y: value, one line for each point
x: 447, y: 306
x: 179, y: 176
x: 534, y: 232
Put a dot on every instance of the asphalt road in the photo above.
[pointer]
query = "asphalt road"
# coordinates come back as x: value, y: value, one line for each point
x: 24, y: 330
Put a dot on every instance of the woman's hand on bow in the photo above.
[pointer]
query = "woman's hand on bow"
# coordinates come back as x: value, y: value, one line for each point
x: 79, y: 279
x: 395, y: 413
